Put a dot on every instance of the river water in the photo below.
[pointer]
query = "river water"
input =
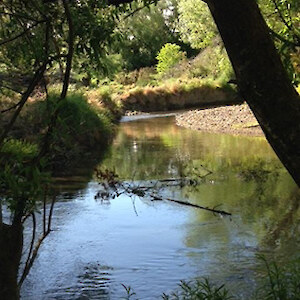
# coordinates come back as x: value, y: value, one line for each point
x: 98, y: 246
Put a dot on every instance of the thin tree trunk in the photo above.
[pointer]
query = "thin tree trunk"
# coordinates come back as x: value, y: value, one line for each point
x: 11, y: 244
x: 261, y: 77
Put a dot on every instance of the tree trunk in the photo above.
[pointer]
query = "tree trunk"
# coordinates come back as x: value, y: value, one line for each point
x: 261, y: 77
x: 11, y: 243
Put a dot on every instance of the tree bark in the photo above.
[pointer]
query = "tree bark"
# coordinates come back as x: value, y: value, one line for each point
x: 11, y: 244
x: 261, y: 77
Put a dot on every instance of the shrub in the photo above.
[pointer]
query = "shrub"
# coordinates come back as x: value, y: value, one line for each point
x: 168, y: 56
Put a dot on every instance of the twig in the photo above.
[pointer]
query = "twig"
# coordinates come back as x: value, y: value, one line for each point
x: 138, y: 9
x: 10, y: 88
x: 11, y: 108
x: 26, y: 270
x: 35, y: 80
x: 18, y: 16
x: 34, y: 250
x: 285, y: 41
x: 134, y: 208
x: 21, y: 33
x: 118, y: 188
x: 44, y: 211
x: 51, y: 213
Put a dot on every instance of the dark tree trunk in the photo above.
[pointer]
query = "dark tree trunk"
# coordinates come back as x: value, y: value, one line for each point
x: 261, y: 77
x: 11, y: 244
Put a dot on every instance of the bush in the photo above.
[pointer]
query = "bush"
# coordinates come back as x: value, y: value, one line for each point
x: 80, y: 128
x: 168, y: 56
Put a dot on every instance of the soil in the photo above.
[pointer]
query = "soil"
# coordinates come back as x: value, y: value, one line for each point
x: 235, y: 119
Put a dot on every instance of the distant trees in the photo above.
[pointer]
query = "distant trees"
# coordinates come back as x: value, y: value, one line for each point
x: 195, y: 23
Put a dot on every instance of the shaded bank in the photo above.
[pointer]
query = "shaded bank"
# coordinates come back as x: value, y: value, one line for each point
x: 85, y: 126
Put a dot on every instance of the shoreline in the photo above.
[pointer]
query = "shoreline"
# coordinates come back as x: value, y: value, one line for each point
x: 233, y: 119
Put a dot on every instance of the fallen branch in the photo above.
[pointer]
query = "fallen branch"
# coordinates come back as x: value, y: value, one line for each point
x: 112, y: 187
x: 221, y: 212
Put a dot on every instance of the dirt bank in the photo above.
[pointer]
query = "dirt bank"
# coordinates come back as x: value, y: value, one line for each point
x: 178, y: 96
x: 236, y: 119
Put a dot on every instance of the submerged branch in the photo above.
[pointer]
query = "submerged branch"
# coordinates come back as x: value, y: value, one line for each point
x: 221, y: 212
x: 112, y: 188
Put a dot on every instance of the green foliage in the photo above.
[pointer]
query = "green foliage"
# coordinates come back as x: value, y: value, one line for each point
x: 168, y: 56
x: 94, y: 24
x: 20, y: 150
x: 211, y: 64
x: 280, y: 283
x: 199, y: 290
x: 195, y: 23
x: 129, y: 292
x: 283, y: 18
x: 22, y: 181
x: 80, y: 126
x: 140, y: 36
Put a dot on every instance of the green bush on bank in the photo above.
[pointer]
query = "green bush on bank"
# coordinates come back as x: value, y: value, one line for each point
x: 80, y: 129
x: 85, y: 124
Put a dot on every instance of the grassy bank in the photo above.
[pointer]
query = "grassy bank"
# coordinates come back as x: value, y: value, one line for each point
x: 178, y: 95
x: 85, y: 125
x: 200, y: 81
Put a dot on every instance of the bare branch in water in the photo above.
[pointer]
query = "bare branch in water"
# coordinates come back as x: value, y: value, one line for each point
x: 113, y: 187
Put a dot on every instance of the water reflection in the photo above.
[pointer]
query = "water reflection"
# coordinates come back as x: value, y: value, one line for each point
x: 96, y: 246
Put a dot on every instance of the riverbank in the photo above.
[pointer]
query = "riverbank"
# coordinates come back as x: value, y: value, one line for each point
x: 235, y: 119
x: 178, y: 95
x: 85, y: 127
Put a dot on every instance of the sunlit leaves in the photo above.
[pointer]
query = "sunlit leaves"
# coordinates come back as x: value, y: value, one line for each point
x: 283, y: 18
x: 168, y: 56
x: 195, y: 25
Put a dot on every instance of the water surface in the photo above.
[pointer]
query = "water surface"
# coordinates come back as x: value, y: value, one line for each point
x: 96, y: 246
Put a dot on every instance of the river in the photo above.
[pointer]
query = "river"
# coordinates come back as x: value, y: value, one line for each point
x: 97, y: 246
